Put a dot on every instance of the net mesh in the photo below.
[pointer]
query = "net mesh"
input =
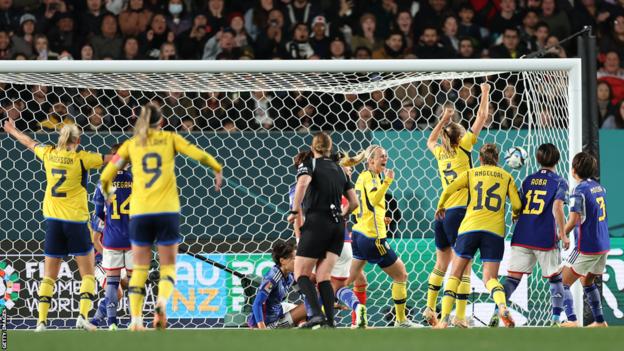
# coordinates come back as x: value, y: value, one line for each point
x: 254, y: 124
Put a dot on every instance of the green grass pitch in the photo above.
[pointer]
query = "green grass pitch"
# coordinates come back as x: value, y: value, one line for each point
x: 482, y: 339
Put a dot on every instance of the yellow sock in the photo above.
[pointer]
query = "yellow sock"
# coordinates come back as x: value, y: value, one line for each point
x: 87, y: 295
x: 46, y: 290
x: 450, y: 293
x: 497, y: 291
x: 399, y: 295
x: 136, y: 290
x: 166, y: 283
x: 435, y: 284
x: 463, y: 291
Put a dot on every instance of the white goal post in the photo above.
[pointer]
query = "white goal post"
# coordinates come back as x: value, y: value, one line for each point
x: 548, y: 99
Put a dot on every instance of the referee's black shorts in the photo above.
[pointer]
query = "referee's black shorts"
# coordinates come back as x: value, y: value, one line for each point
x: 320, y: 234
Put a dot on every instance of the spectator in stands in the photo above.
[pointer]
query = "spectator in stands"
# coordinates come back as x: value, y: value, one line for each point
x: 338, y: 49
x: 612, y: 73
x: 605, y: 103
x: 216, y: 17
x: 212, y: 110
x: 228, y: 126
x: 95, y: 119
x: 404, y: 24
x: 385, y: 12
x: 365, y: 120
x: 191, y: 43
x: 555, y: 50
x: 47, y: 14
x: 429, y: 46
x: 9, y: 16
x: 319, y: 40
x: 431, y: 13
x: 530, y: 19
x: 511, y: 46
x: 299, y: 47
x: 362, y: 53
x: 616, y: 120
x: 271, y: 40
x: 130, y: 49
x: 449, y: 35
x: 134, y: 19
x: 108, y: 42
x: 90, y: 21
x: 23, y: 40
x: 222, y: 46
x: 63, y: 35
x: 557, y: 20
x: 256, y: 18
x: 367, y: 35
x: 188, y: 124
x: 300, y: 11
x: 542, y: 32
x: 37, y: 105
x: 175, y: 106
x: 407, y: 119
x: 86, y: 52
x: 168, y: 51
x: 155, y: 36
x: 467, y: 28
x: 393, y: 48
x: 614, y: 41
x: 506, y: 17
x: 6, y: 50
x: 241, y: 38
x: 466, y: 48
x: 13, y: 108
x: 591, y: 13
x: 42, y: 51
x: 343, y: 16
x: 178, y: 19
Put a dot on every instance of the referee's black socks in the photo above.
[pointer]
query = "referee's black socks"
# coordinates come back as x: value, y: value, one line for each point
x: 309, y: 291
x: 327, y: 295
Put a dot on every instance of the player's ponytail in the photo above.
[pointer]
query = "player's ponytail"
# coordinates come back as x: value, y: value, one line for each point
x: 489, y: 155
x: 68, y: 135
x: 451, y: 135
x: 149, y: 117
x: 364, y: 155
x: 322, y: 144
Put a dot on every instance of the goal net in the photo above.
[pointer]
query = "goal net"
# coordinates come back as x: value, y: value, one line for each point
x: 254, y: 117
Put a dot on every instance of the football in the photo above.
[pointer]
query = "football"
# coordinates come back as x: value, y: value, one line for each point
x: 515, y: 157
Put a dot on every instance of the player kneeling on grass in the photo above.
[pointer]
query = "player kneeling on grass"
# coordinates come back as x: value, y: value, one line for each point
x: 116, y: 247
x: 588, y: 215
x: 270, y: 309
x: 482, y: 229
x: 538, y: 229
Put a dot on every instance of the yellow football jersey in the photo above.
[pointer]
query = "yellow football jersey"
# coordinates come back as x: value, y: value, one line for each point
x: 371, y: 195
x: 452, y: 164
x: 66, y: 182
x: 154, y: 188
x: 489, y: 187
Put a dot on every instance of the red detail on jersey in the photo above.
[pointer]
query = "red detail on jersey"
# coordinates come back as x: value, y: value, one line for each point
x: 344, y: 201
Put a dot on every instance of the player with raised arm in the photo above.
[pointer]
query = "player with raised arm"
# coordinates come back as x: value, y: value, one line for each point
x: 588, y: 219
x: 269, y: 309
x: 116, y: 247
x: 483, y: 228
x: 155, y: 206
x: 539, y: 228
x: 369, y: 232
x: 66, y: 215
x: 454, y: 158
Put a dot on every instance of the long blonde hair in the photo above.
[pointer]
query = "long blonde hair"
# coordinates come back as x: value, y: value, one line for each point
x: 149, y: 117
x: 451, y: 136
x: 69, y: 134
x: 366, y: 154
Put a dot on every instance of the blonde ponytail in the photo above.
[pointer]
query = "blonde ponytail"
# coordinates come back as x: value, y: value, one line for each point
x: 364, y: 155
x: 69, y: 134
x: 451, y: 136
x: 142, y: 125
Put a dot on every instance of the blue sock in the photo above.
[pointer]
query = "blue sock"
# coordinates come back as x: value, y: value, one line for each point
x: 568, y: 303
x: 510, y: 286
x: 308, y: 308
x: 593, y: 297
x: 347, y: 297
x: 556, y: 296
x: 112, y: 286
x: 100, y: 313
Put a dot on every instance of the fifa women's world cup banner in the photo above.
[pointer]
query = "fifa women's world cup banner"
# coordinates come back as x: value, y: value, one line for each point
x: 206, y: 296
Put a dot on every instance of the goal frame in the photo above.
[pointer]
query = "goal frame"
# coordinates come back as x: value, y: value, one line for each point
x: 573, y: 67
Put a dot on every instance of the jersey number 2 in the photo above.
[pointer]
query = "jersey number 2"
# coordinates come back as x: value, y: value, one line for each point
x: 62, y: 173
x: 492, y: 200
x: 156, y: 172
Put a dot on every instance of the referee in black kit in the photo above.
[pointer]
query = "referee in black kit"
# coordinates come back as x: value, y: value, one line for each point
x: 323, y: 182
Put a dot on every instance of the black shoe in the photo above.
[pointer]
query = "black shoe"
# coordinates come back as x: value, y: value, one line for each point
x: 314, y: 322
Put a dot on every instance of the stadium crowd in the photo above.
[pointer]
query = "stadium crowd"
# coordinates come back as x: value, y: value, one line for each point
x: 292, y: 29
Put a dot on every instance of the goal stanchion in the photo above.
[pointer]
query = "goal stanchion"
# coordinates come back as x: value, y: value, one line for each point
x: 254, y: 117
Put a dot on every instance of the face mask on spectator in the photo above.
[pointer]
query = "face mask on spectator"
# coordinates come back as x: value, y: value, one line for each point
x: 175, y: 9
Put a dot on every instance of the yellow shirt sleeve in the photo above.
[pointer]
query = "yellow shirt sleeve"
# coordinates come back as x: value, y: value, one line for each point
x: 184, y: 147
x: 459, y: 183
x: 376, y: 191
x: 468, y: 141
x: 437, y: 151
x: 41, y: 150
x: 110, y: 171
x: 512, y: 192
x: 91, y: 160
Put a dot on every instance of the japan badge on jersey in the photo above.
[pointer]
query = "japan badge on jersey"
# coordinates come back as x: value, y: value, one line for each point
x: 268, y: 287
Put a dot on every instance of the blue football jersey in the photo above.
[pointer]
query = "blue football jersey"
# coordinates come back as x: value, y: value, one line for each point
x: 536, y: 227
x: 116, y: 212
x: 273, y: 290
x: 592, y: 232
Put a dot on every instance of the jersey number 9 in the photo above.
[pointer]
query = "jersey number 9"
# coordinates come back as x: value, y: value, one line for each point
x: 155, y: 171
